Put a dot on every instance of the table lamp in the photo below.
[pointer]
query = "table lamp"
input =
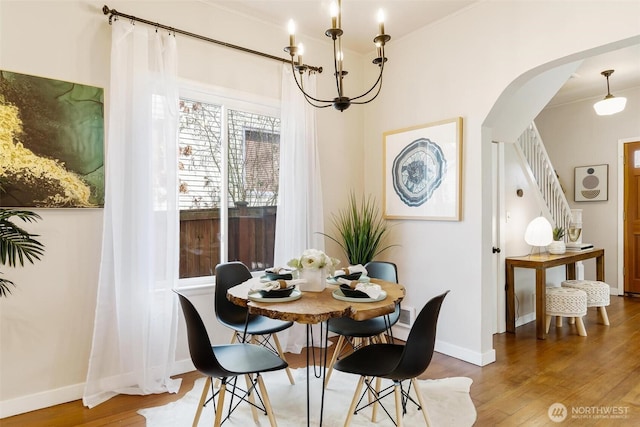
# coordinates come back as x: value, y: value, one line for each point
x: 538, y: 233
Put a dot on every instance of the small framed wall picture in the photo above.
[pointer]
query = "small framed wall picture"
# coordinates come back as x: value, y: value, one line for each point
x: 591, y: 183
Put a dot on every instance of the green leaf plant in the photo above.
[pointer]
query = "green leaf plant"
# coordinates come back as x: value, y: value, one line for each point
x: 361, y: 230
x: 17, y: 244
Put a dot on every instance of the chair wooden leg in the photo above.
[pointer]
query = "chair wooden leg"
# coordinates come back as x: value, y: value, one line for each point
x: 548, y: 322
x: 276, y: 341
x: 220, y: 408
x: 354, y: 402
x: 267, y: 402
x: 571, y: 321
x: 425, y: 414
x: 603, y: 313
x: 374, y: 410
x: 203, y: 398
x: 581, y: 330
x: 336, y: 352
x: 251, y: 397
x: 558, y: 321
x: 398, y: 395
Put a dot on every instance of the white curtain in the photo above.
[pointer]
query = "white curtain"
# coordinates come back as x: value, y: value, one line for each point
x: 135, y: 327
x: 300, y: 214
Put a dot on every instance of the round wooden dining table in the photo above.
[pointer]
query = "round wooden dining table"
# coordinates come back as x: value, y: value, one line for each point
x: 318, y: 308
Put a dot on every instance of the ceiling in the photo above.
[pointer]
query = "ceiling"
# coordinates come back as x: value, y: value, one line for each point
x: 359, y: 23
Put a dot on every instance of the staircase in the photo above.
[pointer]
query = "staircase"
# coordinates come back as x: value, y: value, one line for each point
x: 540, y: 170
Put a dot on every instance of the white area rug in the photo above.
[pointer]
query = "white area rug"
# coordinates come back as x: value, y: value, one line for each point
x: 447, y: 400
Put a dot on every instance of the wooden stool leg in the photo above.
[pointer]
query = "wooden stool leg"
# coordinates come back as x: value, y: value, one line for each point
x: 558, y: 321
x: 581, y: 330
x: 572, y: 320
x: 603, y: 313
x: 548, y: 323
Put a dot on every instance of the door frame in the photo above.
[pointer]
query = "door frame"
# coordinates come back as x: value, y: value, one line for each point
x: 620, y: 215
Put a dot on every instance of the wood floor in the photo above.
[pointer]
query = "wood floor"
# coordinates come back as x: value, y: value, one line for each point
x: 591, y: 376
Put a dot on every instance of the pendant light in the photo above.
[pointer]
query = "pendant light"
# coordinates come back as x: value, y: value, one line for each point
x: 610, y: 104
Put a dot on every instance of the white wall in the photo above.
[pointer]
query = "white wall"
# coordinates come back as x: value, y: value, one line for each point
x: 46, y: 325
x: 460, y: 67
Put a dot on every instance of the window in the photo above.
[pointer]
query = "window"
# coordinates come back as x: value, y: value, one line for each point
x: 229, y: 158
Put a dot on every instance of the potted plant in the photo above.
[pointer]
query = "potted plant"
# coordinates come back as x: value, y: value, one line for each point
x: 558, y: 246
x: 361, y: 230
x: 17, y: 244
x: 314, y: 266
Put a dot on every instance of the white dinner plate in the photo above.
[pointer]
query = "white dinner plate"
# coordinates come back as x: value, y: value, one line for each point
x: 337, y: 294
x: 296, y: 294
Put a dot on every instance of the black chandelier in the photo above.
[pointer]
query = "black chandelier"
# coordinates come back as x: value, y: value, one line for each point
x: 341, y: 102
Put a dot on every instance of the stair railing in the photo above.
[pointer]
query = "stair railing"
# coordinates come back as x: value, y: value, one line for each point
x: 531, y: 149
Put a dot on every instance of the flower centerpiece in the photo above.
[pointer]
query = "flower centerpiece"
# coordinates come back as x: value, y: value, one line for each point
x: 314, y: 266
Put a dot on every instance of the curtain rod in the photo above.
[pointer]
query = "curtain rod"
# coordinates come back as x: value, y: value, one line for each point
x: 113, y: 12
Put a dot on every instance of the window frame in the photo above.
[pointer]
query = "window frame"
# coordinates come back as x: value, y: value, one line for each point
x: 227, y: 99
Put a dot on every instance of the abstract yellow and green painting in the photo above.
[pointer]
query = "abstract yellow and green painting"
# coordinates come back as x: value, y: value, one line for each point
x: 51, y: 143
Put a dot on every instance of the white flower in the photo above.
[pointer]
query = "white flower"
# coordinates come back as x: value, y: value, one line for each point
x: 313, y: 258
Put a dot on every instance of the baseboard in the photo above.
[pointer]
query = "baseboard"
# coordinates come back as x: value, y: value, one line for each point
x: 523, y: 320
x: 45, y: 399
x: 452, y: 350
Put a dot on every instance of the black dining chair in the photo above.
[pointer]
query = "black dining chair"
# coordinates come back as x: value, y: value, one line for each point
x: 258, y: 329
x: 352, y: 334
x: 227, y: 362
x: 396, y: 362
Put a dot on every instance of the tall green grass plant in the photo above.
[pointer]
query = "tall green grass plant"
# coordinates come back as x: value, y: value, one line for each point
x: 361, y: 230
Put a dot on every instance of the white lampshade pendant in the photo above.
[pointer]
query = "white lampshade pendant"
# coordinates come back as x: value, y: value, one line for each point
x: 610, y: 104
x: 539, y: 232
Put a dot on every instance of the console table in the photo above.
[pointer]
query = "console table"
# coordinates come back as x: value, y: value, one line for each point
x: 540, y: 262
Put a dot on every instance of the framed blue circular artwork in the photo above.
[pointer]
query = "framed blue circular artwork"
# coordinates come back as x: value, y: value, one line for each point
x: 418, y: 170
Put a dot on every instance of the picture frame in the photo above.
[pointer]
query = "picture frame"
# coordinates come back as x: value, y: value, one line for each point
x: 422, y: 171
x: 53, y: 151
x: 591, y: 183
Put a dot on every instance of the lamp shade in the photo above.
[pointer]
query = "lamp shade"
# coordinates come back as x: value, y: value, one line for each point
x: 539, y: 232
x: 610, y: 105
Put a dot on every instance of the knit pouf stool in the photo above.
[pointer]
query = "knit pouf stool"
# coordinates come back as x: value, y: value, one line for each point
x: 597, y: 294
x: 566, y: 302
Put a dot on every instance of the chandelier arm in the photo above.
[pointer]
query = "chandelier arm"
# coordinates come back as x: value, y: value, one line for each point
x: 316, y: 105
x: 369, y: 100
x: 372, y: 87
x: 306, y: 95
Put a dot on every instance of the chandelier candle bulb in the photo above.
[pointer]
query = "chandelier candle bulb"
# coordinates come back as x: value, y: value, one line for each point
x: 300, y: 53
x: 292, y: 32
x: 381, y: 21
x: 334, y: 15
